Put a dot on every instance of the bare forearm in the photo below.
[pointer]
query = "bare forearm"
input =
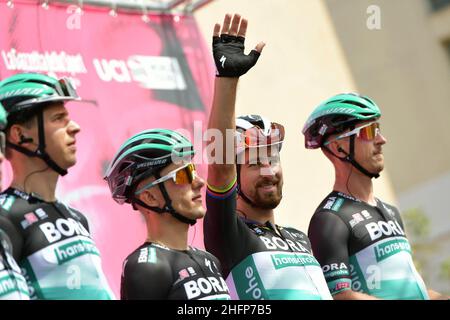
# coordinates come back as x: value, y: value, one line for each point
x: 353, y: 295
x: 222, y: 118
x: 223, y: 107
x: 231, y: 63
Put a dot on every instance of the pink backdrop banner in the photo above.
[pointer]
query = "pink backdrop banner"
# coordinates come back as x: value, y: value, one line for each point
x: 133, y: 75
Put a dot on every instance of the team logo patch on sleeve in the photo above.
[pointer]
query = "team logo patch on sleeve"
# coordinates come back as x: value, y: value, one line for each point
x: 147, y: 255
x: 329, y: 203
x: 6, y: 202
x: 338, y: 204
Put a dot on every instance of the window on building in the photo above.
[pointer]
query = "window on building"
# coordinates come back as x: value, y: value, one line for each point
x: 439, y: 4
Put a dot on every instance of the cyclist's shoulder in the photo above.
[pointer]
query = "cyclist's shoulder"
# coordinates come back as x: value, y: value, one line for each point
x: 202, y: 254
x: 334, y: 213
x: 392, y: 210
x: 147, y: 263
x: 149, y: 256
x: 74, y: 210
x: 293, y: 230
x: 71, y: 212
x: 387, y: 206
x: 338, y: 204
x: 13, y: 202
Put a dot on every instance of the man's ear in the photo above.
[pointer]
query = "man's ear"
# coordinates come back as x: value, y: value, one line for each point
x: 150, y: 198
x: 338, y: 148
x: 15, y: 133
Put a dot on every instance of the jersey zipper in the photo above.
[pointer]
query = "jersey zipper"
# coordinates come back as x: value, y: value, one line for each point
x: 296, y: 255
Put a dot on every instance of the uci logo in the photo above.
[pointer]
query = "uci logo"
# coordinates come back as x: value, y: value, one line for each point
x: 151, y: 72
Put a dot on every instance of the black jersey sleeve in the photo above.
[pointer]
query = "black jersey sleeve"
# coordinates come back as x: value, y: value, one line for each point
x: 225, y: 235
x: 6, y: 254
x: 14, y: 236
x: 13, y: 284
x: 145, y: 281
x: 329, y: 237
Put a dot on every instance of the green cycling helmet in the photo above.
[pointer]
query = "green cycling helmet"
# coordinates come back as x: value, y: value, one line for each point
x: 141, y: 156
x: 144, y: 155
x: 3, y: 117
x: 30, y: 90
x: 337, y: 114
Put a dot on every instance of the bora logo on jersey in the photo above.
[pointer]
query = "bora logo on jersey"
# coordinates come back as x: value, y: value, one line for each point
x: 62, y: 227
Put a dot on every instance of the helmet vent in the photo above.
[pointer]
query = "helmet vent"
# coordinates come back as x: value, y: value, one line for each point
x: 355, y: 104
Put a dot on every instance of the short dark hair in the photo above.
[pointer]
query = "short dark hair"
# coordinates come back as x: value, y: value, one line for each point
x: 26, y: 116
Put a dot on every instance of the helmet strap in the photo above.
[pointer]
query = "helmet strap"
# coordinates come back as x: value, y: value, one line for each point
x: 239, y: 190
x: 167, y: 206
x: 40, y: 152
x: 350, y: 158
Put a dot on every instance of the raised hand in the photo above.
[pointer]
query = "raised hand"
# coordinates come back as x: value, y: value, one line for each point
x: 228, y: 48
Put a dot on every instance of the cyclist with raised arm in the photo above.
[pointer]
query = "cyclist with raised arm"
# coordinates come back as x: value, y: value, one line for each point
x: 260, y: 259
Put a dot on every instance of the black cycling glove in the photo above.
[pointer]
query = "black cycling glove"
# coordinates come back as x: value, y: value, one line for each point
x: 228, y: 52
